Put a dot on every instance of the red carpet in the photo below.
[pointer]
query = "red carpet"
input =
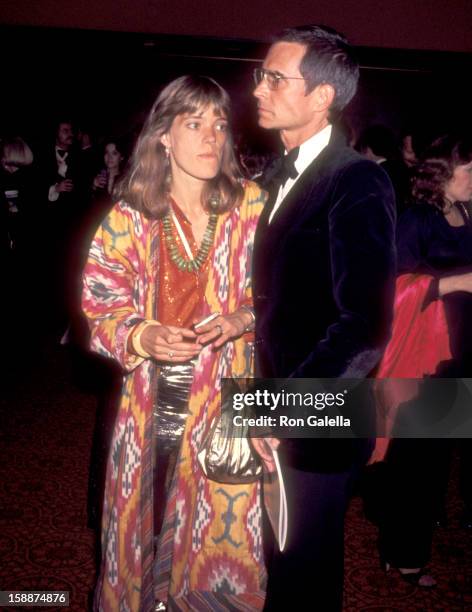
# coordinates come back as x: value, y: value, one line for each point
x: 46, y: 431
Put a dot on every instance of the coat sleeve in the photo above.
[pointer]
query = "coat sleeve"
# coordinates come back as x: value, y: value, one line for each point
x: 362, y: 251
x: 251, y: 209
x: 111, y: 285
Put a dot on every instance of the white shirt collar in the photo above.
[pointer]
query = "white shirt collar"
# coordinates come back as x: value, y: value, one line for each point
x: 311, y: 148
x: 61, y: 162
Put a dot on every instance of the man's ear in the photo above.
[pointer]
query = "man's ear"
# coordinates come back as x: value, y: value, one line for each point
x: 323, y: 96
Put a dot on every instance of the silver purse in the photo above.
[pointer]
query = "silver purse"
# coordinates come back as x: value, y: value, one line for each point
x: 226, y: 454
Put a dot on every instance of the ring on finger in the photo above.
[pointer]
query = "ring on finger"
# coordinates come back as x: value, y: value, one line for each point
x: 219, y: 328
x: 171, y: 354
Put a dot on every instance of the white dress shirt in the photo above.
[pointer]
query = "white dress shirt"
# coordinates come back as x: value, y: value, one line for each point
x: 61, y: 171
x: 309, y: 150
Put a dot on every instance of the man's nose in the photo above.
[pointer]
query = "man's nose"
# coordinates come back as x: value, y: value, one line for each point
x: 261, y: 89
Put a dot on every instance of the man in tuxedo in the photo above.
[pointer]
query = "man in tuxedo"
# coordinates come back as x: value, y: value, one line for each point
x: 64, y: 141
x: 60, y: 167
x: 324, y: 265
x: 61, y: 173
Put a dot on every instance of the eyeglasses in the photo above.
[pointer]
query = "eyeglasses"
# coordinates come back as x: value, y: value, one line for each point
x: 273, y: 79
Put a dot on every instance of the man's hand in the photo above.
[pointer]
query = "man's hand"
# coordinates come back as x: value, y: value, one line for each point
x: 263, y: 447
x: 65, y: 185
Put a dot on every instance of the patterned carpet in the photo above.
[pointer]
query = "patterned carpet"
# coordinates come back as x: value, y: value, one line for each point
x: 47, y: 420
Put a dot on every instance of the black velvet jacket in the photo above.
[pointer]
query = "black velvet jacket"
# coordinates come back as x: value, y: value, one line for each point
x: 323, y: 279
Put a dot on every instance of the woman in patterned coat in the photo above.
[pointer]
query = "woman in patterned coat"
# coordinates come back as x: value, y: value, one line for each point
x: 174, y: 250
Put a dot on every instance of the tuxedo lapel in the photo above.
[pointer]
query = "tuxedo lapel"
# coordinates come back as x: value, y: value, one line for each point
x: 263, y: 243
x: 273, y: 191
x: 307, y: 192
x: 270, y: 183
x: 309, y: 189
x: 301, y: 193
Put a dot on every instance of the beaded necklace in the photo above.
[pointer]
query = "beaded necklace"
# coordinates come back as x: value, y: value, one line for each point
x: 189, y: 264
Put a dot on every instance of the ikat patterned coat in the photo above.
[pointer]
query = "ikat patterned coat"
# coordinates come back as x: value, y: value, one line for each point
x: 210, y: 551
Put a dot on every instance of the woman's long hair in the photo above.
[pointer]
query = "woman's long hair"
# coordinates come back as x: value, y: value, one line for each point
x: 437, y: 169
x: 146, y: 183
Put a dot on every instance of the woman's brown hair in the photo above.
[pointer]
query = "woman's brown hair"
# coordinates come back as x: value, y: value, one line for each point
x: 437, y: 168
x: 145, y: 186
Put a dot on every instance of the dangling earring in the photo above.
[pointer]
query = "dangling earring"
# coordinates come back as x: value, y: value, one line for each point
x: 167, y: 168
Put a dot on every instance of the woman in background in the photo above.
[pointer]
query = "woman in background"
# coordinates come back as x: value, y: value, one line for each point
x: 22, y: 244
x: 434, y: 303
x: 16, y: 195
x: 114, y: 160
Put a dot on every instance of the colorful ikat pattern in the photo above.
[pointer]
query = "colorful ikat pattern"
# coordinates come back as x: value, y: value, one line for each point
x: 209, y: 554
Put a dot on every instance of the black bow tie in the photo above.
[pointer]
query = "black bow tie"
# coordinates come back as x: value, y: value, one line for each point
x: 61, y: 152
x: 287, y: 166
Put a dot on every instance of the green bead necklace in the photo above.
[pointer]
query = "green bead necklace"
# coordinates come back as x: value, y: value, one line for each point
x: 188, y: 264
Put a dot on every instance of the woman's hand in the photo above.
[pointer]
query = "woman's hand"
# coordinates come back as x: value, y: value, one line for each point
x: 100, y: 181
x: 458, y: 282
x: 380, y: 451
x: 224, y: 328
x: 170, y: 343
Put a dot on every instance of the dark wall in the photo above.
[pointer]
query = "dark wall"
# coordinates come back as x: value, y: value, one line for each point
x: 409, y: 24
x: 104, y: 80
x: 108, y: 81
